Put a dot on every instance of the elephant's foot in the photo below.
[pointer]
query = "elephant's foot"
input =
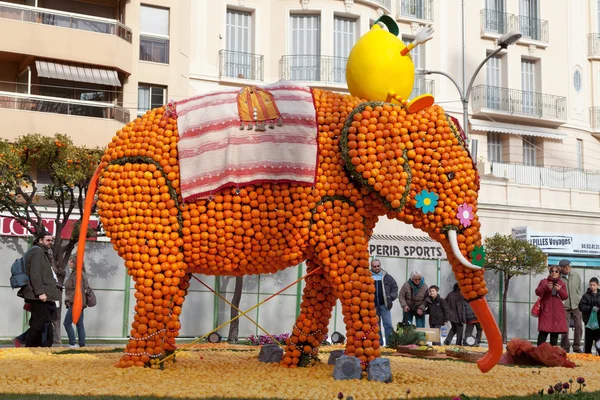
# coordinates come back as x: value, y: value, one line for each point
x: 302, y: 347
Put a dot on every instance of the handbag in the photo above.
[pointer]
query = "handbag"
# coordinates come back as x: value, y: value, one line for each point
x: 90, y: 297
x: 537, y: 308
x: 593, y: 321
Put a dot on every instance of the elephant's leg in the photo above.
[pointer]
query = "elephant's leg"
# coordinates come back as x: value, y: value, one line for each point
x: 346, y: 260
x: 311, y: 327
x: 174, y: 325
x: 141, y: 215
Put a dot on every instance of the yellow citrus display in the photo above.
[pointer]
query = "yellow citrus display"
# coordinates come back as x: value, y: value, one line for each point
x: 208, y: 372
x: 378, y: 51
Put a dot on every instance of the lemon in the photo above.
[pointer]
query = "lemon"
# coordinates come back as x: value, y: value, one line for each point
x: 375, y: 67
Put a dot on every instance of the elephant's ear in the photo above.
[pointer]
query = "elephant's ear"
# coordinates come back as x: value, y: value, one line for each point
x: 374, y: 153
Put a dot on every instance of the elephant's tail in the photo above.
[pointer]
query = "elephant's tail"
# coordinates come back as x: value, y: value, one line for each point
x: 87, y: 210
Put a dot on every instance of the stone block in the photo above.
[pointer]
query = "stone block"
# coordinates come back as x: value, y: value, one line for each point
x: 334, y: 355
x: 380, y: 370
x: 347, y: 367
x: 270, y: 353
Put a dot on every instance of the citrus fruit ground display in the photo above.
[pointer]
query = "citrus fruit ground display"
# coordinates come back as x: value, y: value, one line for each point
x: 210, y: 371
x: 374, y: 160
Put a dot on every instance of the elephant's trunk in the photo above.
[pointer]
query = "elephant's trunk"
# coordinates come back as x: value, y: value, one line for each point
x: 471, y: 282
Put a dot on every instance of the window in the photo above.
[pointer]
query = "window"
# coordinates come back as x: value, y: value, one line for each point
x: 579, y: 154
x: 529, y: 19
x: 528, y: 86
x: 494, y: 147
x: 418, y: 57
x: 154, y: 34
x: 150, y: 97
x: 305, y: 37
x: 495, y: 19
x: 344, y: 37
x: 413, y: 8
x: 529, y: 156
x: 239, y: 62
x: 577, y: 80
x: 494, y: 86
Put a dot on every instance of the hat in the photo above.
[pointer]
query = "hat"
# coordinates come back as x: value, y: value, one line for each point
x: 564, y: 263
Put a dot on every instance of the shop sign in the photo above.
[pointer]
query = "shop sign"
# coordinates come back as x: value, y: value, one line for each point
x: 11, y: 227
x: 560, y: 243
x: 406, y: 249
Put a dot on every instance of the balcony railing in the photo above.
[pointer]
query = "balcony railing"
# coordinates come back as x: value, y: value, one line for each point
x: 417, y: 9
x: 235, y: 64
x: 594, y: 45
x: 57, y: 105
x: 64, y: 19
x: 595, y: 117
x: 313, y: 68
x: 422, y: 86
x: 532, y: 28
x: 557, y: 177
x: 493, y: 21
x: 384, y: 3
x: 519, y: 102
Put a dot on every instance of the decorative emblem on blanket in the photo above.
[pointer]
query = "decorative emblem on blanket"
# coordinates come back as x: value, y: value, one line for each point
x: 256, y: 105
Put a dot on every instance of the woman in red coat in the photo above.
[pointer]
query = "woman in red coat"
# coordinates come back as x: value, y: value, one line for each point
x: 552, y: 319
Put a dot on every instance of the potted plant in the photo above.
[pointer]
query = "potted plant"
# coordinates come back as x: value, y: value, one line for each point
x: 406, y: 337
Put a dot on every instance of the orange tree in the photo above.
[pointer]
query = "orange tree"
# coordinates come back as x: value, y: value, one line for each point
x: 70, y: 168
x: 512, y: 257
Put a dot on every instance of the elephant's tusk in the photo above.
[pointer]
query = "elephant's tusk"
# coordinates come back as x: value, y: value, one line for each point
x: 456, y: 251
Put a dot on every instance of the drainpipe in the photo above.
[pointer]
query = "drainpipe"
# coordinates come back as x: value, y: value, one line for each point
x: 465, y: 102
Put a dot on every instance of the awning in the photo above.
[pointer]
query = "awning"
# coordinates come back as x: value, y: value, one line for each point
x: 401, y: 238
x: 577, y: 262
x: 77, y: 73
x: 422, y: 247
x: 515, y: 129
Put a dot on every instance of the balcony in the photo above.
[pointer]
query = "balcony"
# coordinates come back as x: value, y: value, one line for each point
x: 385, y: 4
x: 504, y: 103
x: 235, y: 64
x: 555, y: 177
x: 65, y: 36
x: 65, y: 20
x: 495, y: 23
x: 532, y: 29
x: 594, y: 46
x: 422, y: 86
x: 327, y: 70
x: 411, y: 10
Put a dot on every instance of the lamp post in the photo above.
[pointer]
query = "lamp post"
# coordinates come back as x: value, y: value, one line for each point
x: 503, y: 42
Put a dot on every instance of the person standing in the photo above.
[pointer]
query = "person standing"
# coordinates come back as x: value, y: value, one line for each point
x: 471, y: 324
x: 437, y: 309
x: 386, y: 291
x: 41, y: 292
x: 412, y: 299
x: 552, y: 319
x: 574, y: 288
x: 590, y: 302
x: 69, y: 298
x: 455, y: 301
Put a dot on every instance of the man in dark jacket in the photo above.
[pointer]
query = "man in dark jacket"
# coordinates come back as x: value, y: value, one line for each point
x: 472, y: 323
x: 436, y: 308
x: 455, y: 301
x: 590, y: 302
x: 386, y: 291
x: 42, y: 291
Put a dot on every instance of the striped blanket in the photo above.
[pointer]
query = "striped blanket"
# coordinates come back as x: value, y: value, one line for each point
x: 218, y: 150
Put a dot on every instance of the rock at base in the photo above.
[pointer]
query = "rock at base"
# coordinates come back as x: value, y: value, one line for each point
x: 270, y: 353
x: 334, y: 355
x: 380, y: 370
x: 347, y: 367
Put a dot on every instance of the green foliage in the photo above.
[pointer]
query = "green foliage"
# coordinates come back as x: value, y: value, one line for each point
x: 513, y: 257
x: 405, y: 335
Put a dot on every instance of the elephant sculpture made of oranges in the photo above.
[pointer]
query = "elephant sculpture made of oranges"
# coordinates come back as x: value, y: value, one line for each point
x: 374, y: 159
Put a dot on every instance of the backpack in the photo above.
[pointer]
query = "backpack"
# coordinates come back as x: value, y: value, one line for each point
x: 18, y: 273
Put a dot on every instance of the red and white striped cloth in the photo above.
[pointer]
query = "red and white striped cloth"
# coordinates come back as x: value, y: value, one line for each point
x: 215, y: 154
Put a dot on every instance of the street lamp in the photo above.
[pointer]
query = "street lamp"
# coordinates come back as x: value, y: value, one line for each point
x: 503, y: 42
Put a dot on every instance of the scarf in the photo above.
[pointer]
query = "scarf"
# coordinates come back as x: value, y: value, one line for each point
x: 414, y: 287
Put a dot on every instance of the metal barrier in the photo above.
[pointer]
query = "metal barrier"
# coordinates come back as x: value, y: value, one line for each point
x: 557, y: 177
x: 236, y: 64
x: 313, y: 68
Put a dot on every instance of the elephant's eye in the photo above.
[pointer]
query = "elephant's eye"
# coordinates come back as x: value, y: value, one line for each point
x: 450, y: 175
